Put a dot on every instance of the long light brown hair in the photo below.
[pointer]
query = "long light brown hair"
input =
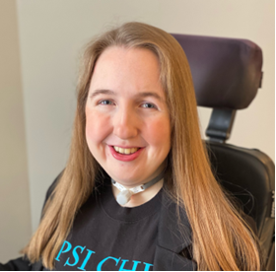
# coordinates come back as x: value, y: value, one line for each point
x: 221, y: 240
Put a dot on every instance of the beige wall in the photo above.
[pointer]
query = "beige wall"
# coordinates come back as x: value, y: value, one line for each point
x: 15, y: 222
x: 51, y: 34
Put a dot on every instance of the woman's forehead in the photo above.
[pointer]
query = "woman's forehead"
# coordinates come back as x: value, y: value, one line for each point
x: 127, y: 69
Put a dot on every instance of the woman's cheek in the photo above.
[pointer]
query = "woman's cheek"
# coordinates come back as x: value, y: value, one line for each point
x: 159, y: 131
x: 97, y: 128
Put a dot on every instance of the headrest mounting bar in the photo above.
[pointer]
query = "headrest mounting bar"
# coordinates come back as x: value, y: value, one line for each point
x: 220, y: 125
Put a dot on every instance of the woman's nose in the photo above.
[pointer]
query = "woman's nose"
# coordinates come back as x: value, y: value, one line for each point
x: 125, y: 124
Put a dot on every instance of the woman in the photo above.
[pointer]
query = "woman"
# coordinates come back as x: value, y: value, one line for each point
x: 136, y: 124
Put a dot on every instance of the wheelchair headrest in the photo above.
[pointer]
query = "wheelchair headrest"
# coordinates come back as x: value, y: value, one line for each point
x: 226, y: 72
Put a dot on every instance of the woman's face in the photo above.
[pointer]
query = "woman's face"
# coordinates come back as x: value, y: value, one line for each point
x: 127, y: 118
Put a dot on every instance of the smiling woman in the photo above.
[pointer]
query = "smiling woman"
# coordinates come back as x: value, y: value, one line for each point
x: 136, y: 137
x: 136, y: 118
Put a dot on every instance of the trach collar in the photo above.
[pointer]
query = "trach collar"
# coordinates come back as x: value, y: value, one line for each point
x: 125, y: 194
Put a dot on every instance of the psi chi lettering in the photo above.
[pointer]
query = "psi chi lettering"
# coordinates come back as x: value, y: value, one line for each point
x: 119, y: 263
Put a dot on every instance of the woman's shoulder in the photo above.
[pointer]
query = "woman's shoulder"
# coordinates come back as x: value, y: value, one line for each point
x: 53, y: 186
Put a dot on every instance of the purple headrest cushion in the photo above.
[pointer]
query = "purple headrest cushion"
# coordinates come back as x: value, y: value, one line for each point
x: 226, y: 72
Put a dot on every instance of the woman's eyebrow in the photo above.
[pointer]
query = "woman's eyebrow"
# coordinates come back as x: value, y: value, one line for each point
x: 139, y: 95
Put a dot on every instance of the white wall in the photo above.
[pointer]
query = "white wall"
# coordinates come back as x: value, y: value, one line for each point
x: 15, y: 216
x: 52, y: 33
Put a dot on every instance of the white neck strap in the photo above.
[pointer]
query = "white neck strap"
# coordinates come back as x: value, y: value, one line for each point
x: 125, y: 194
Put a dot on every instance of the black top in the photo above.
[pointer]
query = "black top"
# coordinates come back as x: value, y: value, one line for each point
x: 173, y: 245
x: 106, y: 236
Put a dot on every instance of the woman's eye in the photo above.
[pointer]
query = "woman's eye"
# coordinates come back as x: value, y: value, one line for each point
x: 110, y: 102
x: 105, y: 102
x: 149, y: 105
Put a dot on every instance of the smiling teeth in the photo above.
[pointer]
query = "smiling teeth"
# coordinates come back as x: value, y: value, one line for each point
x: 125, y: 150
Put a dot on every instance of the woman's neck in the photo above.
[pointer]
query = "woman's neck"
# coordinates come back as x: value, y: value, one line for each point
x: 142, y: 197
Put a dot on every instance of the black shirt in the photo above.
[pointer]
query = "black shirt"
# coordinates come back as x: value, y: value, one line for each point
x: 106, y: 236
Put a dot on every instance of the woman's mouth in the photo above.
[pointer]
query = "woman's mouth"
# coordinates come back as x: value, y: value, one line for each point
x: 125, y: 154
x: 125, y: 151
